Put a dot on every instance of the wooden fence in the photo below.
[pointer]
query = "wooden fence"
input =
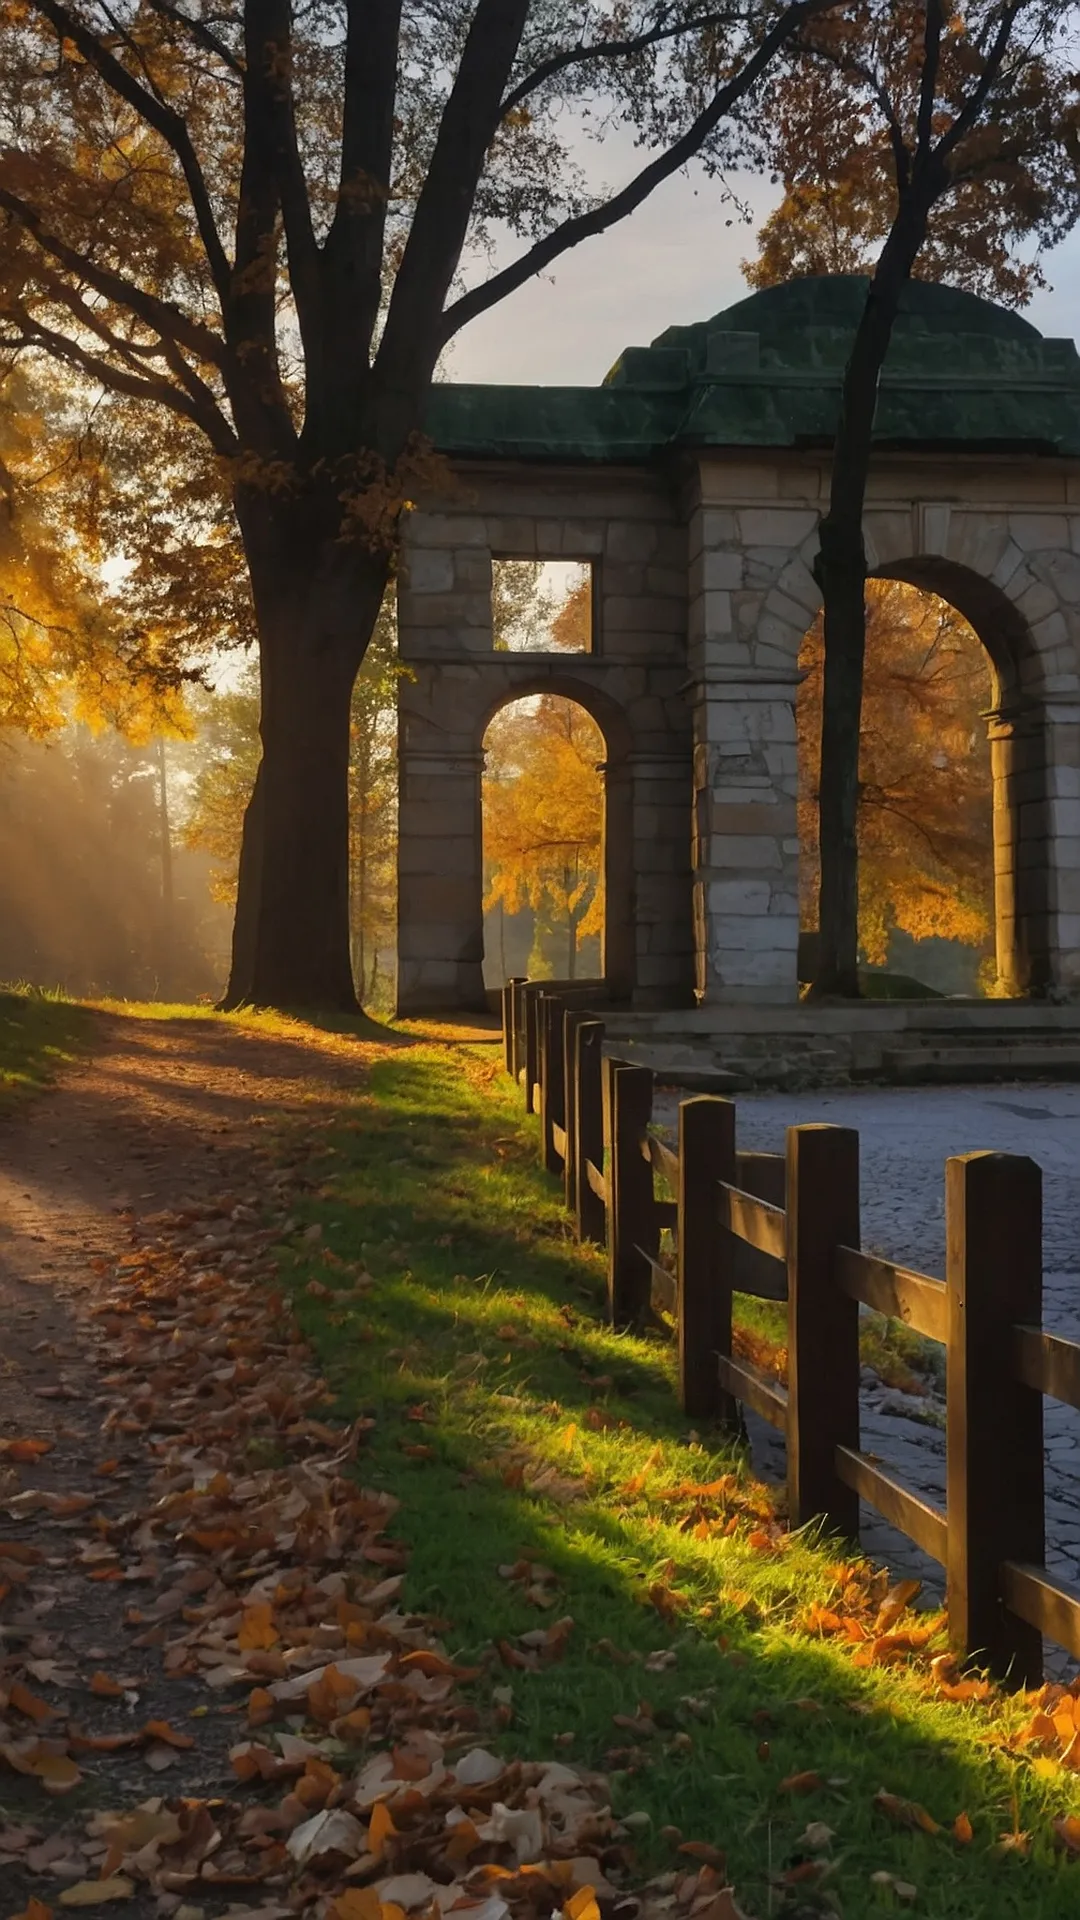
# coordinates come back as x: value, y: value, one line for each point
x: 786, y: 1227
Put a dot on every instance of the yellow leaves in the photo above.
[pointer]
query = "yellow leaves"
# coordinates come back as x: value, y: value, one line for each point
x: 582, y: 1905
x: 381, y: 1830
x: 543, y: 813
x: 356, y: 1903
x: 257, y: 1630
x: 895, y: 1603
x: 638, y: 1481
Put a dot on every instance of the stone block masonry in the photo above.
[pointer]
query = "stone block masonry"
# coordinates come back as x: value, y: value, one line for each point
x: 698, y: 508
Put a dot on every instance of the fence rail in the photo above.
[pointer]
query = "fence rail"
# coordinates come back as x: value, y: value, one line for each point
x: 786, y: 1227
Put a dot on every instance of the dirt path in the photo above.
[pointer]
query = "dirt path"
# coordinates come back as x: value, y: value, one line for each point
x: 158, y: 1136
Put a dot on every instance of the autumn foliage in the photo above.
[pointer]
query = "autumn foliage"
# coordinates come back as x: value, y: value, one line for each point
x: 544, y: 817
x: 925, y: 817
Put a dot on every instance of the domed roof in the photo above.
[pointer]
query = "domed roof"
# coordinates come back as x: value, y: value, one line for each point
x: 832, y: 303
x: 767, y: 372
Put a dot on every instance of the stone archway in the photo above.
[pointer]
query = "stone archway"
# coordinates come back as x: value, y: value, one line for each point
x: 618, y: 939
x: 1017, y: 583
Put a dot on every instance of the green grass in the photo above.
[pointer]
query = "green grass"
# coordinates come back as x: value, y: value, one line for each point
x: 39, y: 1033
x: 514, y: 1427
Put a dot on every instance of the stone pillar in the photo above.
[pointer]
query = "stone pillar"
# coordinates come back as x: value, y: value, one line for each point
x: 745, y: 838
x: 440, y: 880
x: 752, y: 597
x: 662, y: 927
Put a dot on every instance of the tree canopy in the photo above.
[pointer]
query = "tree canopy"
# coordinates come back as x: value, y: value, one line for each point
x: 247, y: 231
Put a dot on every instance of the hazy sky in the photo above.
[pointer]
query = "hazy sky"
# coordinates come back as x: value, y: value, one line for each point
x: 674, y: 262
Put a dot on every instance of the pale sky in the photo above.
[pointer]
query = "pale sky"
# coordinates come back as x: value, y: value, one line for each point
x: 674, y: 262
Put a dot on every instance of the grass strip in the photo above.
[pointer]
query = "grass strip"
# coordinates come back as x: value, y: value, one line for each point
x: 39, y: 1034
x: 546, y: 1474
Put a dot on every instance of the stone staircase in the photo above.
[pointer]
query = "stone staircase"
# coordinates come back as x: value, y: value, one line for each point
x: 904, y: 1043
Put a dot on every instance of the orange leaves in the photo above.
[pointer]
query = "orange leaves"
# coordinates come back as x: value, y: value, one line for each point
x: 905, y: 1813
x: 807, y: 1782
x: 24, y: 1450
x: 896, y: 1603
x: 381, y: 1830
x: 29, y: 1705
x: 257, y: 1630
x: 962, y: 1831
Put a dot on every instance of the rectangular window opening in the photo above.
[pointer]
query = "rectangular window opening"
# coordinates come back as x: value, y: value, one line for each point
x: 542, y: 606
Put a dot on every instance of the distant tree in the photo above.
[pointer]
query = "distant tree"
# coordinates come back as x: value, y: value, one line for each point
x: 244, y: 231
x: 949, y: 136
x: 544, y: 819
x: 925, y: 808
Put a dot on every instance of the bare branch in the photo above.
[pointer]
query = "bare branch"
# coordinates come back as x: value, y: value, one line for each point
x: 582, y: 55
x: 586, y: 225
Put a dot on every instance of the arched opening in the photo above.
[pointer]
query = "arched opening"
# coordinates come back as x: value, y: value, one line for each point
x: 544, y: 827
x: 932, y: 834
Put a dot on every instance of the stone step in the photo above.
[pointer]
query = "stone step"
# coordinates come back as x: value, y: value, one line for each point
x: 1052, y: 1059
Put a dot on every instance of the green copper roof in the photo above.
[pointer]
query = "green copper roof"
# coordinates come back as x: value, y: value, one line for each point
x: 961, y: 373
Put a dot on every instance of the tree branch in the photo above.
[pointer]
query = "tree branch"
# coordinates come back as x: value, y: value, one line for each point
x: 202, y: 35
x: 582, y: 55
x: 411, y: 341
x: 354, y: 245
x: 162, y: 119
x: 160, y: 392
x: 969, y: 113
x: 586, y: 225
x: 160, y: 315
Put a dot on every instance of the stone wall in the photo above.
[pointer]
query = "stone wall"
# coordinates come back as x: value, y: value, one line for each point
x: 633, y: 685
x: 704, y: 590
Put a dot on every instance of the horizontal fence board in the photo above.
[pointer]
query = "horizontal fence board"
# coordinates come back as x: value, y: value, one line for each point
x: 745, y: 1383
x: 596, y: 1181
x: 665, y: 1290
x: 1036, y: 1598
x: 1048, y: 1363
x: 762, y: 1174
x: 901, y: 1293
x: 757, y: 1222
x: 558, y: 1137
x: 661, y: 1158
x: 924, y: 1524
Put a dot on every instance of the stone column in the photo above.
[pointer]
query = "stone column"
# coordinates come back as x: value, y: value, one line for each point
x: 662, y: 918
x: 745, y: 838
x: 440, y: 880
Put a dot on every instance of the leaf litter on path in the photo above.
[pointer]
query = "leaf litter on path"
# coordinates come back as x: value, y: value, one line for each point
x: 327, y: 1761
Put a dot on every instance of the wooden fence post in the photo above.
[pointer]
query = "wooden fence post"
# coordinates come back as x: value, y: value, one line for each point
x: 706, y: 1155
x: 514, y: 1047
x: 552, y: 1083
x: 575, y: 1018
x: 632, y: 1232
x: 823, y: 1324
x: 994, y: 1424
x: 588, y: 1094
x: 530, y: 996
x: 507, y: 1003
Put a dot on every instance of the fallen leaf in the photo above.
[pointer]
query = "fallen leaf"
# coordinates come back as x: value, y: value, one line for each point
x: 257, y: 1629
x: 97, y: 1893
x: 905, y: 1813
x: 380, y: 1829
x: 1067, y: 1829
x: 962, y: 1830
x: 808, y: 1782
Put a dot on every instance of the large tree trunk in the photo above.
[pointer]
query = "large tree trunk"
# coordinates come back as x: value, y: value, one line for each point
x: 841, y: 572
x: 291, y: 944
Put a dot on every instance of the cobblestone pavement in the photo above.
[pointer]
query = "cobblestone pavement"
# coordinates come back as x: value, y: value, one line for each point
x: 906, y: 1135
